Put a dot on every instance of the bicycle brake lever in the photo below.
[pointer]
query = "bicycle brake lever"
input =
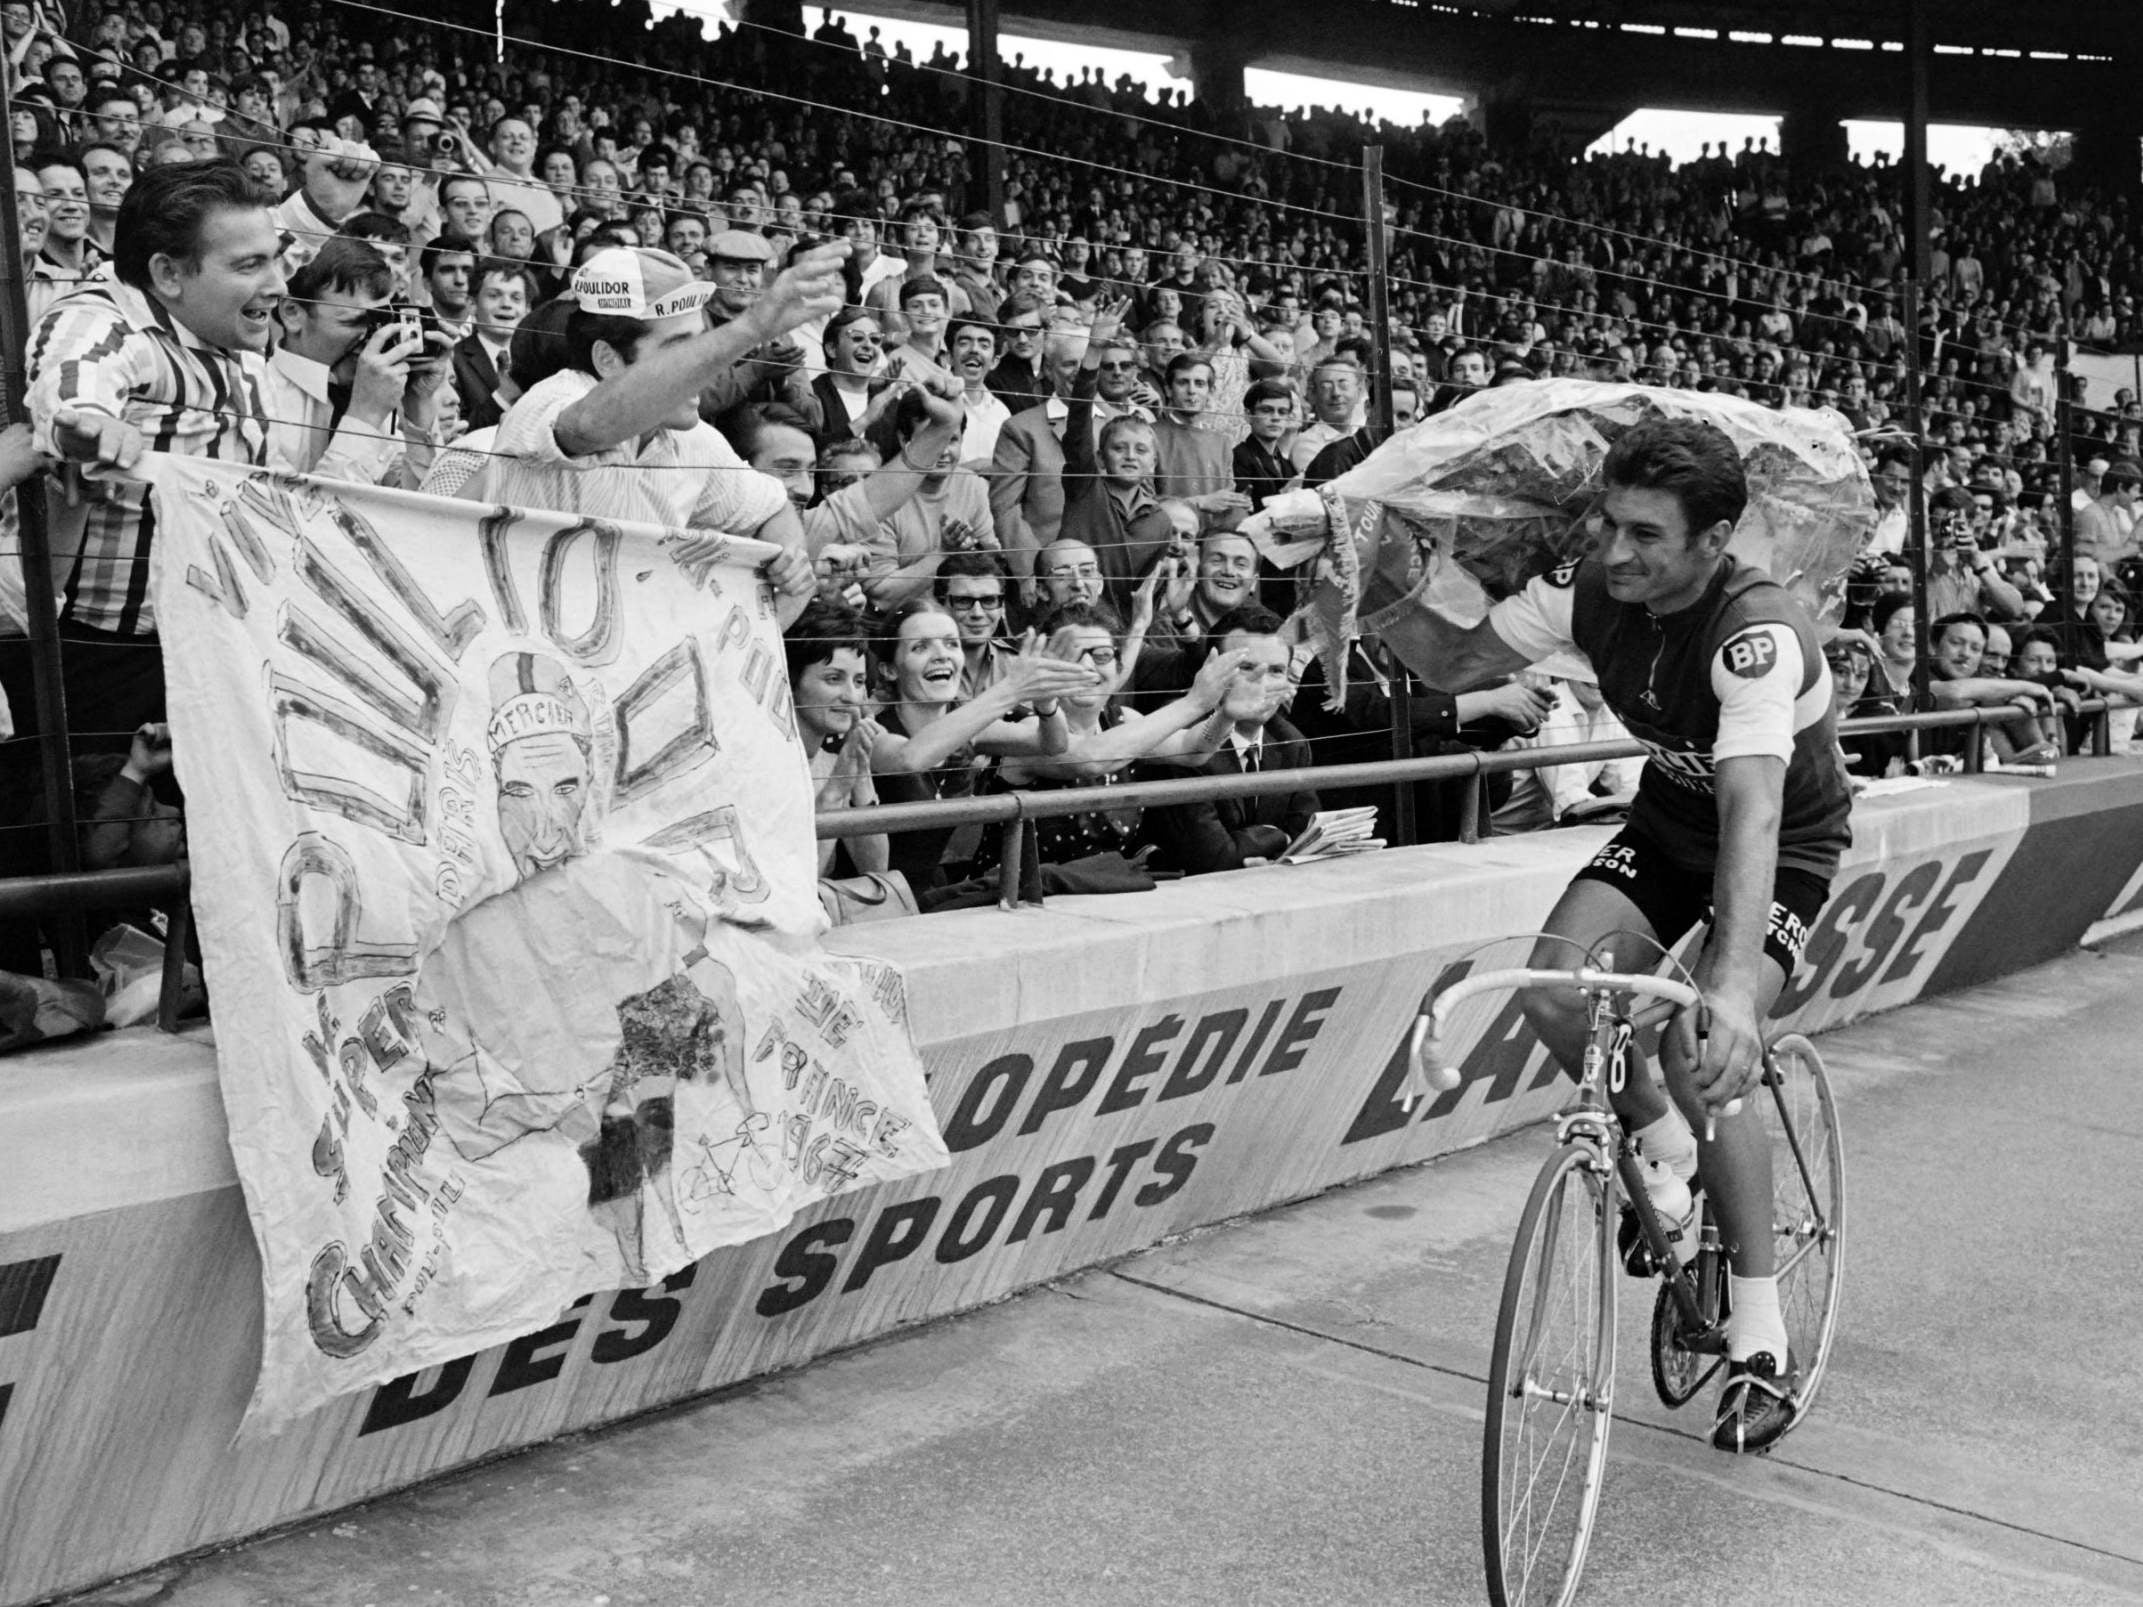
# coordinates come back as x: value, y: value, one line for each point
x: 1732, y: 1106
x: 1424, y: 1075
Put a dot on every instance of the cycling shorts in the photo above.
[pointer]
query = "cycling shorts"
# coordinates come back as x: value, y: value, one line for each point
x: 1674, y: 897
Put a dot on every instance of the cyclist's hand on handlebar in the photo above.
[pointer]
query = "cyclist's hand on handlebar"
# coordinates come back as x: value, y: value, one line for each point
x: 1728, y: 1056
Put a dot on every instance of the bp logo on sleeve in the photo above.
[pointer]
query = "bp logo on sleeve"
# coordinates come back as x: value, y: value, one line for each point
x: 1753, y: 654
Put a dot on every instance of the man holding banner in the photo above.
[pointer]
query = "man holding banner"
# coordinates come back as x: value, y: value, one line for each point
x: 616, y: 433
x: 166, y: 350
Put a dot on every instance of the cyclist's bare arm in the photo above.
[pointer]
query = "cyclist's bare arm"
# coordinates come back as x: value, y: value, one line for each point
x: 1731, y: 973
x: 1532, y: 624
x: 1466, y: 656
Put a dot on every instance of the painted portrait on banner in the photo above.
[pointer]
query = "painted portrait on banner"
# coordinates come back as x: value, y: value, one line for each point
x: 506, y: 887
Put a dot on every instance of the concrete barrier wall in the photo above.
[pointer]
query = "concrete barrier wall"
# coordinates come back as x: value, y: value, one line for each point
x: 1110, y: 1071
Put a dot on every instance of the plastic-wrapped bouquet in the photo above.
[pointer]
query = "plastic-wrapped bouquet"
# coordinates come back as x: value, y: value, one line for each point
x: 1465, y: 507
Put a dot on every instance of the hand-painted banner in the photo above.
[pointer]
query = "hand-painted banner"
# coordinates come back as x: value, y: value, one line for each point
x: 506, y: 887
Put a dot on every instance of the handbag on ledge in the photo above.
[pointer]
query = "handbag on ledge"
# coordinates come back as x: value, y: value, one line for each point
x: 878, y: 895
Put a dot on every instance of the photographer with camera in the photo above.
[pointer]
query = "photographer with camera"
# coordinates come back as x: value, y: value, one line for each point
x: 343, y: 341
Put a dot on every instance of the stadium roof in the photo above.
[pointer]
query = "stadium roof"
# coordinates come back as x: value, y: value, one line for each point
x: 2050, y: 27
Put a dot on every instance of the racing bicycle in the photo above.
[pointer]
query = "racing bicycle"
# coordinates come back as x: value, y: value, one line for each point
x: 1551, y: 1376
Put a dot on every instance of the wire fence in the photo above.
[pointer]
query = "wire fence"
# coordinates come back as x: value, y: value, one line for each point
x: 1486, y: 248
x: 169, y: 886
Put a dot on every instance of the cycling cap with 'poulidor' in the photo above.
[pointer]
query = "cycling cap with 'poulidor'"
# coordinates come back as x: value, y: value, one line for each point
x: 621, y: 283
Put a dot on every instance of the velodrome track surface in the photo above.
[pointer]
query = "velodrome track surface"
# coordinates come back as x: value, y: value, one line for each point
x: 1286, y: 1409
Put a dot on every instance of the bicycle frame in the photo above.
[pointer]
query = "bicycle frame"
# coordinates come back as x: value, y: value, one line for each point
x: 1590, y: 1120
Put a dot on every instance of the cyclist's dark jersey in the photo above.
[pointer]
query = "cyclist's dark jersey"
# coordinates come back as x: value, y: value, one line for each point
x: 1738, y: 672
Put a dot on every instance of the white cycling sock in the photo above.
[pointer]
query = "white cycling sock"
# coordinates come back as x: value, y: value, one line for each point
x: 1754, y: 1323
x: 1670, y: 1142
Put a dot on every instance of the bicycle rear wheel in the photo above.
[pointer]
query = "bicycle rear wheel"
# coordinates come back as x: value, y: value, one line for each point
x: 1808, y: 1205
x: 1550, y: 1387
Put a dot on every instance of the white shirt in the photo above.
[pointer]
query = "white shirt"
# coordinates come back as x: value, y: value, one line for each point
x: 303, y: 438
x: 881, y: 268
x: 529, y: 196
x: 1554, y: 788
x: 986, y: 417
x: 855, y: 400
x: 1058, y: 412
x: 307, y: 229
x: 690, y: 478
x: 1892, y: 526
x: 1318, y: 435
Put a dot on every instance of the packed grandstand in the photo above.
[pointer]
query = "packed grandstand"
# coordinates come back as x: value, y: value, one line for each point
x: 1049, y: 417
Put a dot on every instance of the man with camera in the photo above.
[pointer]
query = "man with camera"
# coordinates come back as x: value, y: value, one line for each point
x: 342, y: 341
x: 428, y: 153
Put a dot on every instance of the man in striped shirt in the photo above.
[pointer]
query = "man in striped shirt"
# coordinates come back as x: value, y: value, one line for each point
x: 164, y: 350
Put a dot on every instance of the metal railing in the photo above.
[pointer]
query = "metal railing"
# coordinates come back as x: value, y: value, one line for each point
x: 167, y: 886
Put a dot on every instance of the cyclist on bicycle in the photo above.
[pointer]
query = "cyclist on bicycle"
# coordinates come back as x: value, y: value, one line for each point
x: 1740, y: 817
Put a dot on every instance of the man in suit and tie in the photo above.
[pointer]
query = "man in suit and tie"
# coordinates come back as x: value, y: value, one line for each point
x: 1227, y: 833
x: 502, y: 294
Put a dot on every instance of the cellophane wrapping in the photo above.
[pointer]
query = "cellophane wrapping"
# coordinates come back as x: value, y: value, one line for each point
x: 1467, y: 506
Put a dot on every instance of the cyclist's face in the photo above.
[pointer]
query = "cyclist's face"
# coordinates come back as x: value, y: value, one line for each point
x: 1650, y: 554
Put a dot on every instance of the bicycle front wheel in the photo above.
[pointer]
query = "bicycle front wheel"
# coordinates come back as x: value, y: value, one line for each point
x: 1550, y: 1386
x: 1808, y: 1205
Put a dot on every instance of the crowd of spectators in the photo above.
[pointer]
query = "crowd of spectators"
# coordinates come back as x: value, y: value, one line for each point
x: 1006, y: 452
